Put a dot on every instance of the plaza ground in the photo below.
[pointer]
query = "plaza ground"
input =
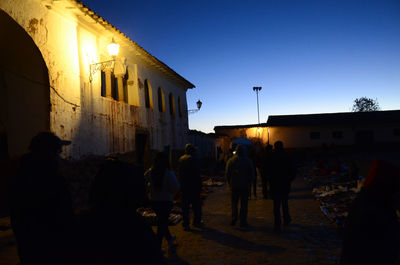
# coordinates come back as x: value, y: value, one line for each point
x: 310, y: 239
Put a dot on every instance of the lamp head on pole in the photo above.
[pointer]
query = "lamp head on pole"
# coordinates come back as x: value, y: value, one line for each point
x: 199, y: 103
x: 257, y: 88
x: 113, y: 48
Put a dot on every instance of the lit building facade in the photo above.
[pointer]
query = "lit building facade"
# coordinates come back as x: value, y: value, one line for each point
x: 51, y: 79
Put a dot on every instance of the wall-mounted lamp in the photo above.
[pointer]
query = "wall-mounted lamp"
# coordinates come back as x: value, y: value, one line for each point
x: 113, y: 49
x: 198, y: 103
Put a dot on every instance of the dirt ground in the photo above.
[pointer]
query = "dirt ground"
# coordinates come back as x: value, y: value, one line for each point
x: 310, y: 239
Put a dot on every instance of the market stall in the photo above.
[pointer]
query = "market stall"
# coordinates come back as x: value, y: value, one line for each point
x: 335, y: 190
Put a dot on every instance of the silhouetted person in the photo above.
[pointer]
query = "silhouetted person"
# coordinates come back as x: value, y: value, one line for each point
x: 163, y: 187
x: 353, y: 171
x: 372, y: 229
x: 283, y: 172
x: 265, y: 169
x: 41, y: 208
x: 239, y: 174
x: 191, y: 184
x: 253, y: 184
x: 114, y: 233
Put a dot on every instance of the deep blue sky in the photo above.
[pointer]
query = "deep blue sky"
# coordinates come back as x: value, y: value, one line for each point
x: 308, y: 56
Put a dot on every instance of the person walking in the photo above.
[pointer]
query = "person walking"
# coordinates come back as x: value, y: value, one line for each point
x: 116, y: 193
x: 163, y: 186
x: 253, y: 184
x: 265, y: 169
x: 283, y: 172
x: 191, y: 184
x: 40, y: 204
x: 239, y: 174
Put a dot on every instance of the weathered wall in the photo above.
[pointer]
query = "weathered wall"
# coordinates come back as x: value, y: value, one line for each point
x: 69, y: 41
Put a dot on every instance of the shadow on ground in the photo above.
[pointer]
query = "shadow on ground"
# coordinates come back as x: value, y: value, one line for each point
x: 301, y: 197
x: 174, y: 259
x: 233, y: 241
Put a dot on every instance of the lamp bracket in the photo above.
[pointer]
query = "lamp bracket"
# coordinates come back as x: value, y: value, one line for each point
x: 100, y: 66
x: 191, y: 111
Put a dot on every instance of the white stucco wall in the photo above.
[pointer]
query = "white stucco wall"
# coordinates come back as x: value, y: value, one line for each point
x: 69, y: 41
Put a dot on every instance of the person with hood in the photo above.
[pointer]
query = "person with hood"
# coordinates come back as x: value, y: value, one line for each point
x: 283, y: 172
x: 191, y: 185
x: 372, y: 228
x: 117, y: 192
x: 239, y: 174
x: 40, y: 204
x: 163, y: 187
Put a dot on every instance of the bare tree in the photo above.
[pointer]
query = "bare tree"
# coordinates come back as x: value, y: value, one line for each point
x: 365, y: 104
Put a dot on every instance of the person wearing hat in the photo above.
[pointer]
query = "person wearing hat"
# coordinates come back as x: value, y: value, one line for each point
x: 40, y: 205
x: 191, y: 184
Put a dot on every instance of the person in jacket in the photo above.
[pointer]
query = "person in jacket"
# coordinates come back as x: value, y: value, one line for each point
x: 283, y: 172
x: 163, y: 187
x: 239, y: 174
x: 191, y: 184
x: 265, y: 169
x: 372, y: 228
x: 40, y: 204
x: 113, y: 232
x: 253, y: 184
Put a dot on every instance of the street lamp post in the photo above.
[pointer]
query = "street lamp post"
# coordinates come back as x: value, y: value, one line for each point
x: 257, y: 88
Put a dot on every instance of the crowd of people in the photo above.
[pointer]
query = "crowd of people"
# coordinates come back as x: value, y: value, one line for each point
x: 111, y: 231
x: 277, y: 170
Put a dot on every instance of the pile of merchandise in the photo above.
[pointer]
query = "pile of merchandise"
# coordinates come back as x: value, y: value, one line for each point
x: 151, y: 218
x: 213, y: 181
x: 335, y: 192
x: 335, y: 203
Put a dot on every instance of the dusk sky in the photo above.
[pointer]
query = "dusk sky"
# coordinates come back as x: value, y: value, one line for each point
x: 308, y: 56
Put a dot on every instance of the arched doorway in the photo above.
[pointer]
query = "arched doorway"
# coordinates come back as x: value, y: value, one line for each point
x: 24, y: 96
x: 24, y: 87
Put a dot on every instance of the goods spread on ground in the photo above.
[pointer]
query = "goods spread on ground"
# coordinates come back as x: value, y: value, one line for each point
x: 334, y: 188
x: 151, y: 218
x: 213, y: 181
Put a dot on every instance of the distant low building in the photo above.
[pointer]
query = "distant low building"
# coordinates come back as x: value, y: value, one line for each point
x: 315, y: 130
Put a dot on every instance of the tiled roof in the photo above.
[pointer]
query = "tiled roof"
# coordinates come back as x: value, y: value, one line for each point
x: 324, y: 119
x: 343, y: 118
x: 84, y: 8
x: 223, y: 127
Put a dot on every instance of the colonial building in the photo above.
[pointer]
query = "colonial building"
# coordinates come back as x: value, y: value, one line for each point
x: 56, y: 73
x: 347, y: 129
